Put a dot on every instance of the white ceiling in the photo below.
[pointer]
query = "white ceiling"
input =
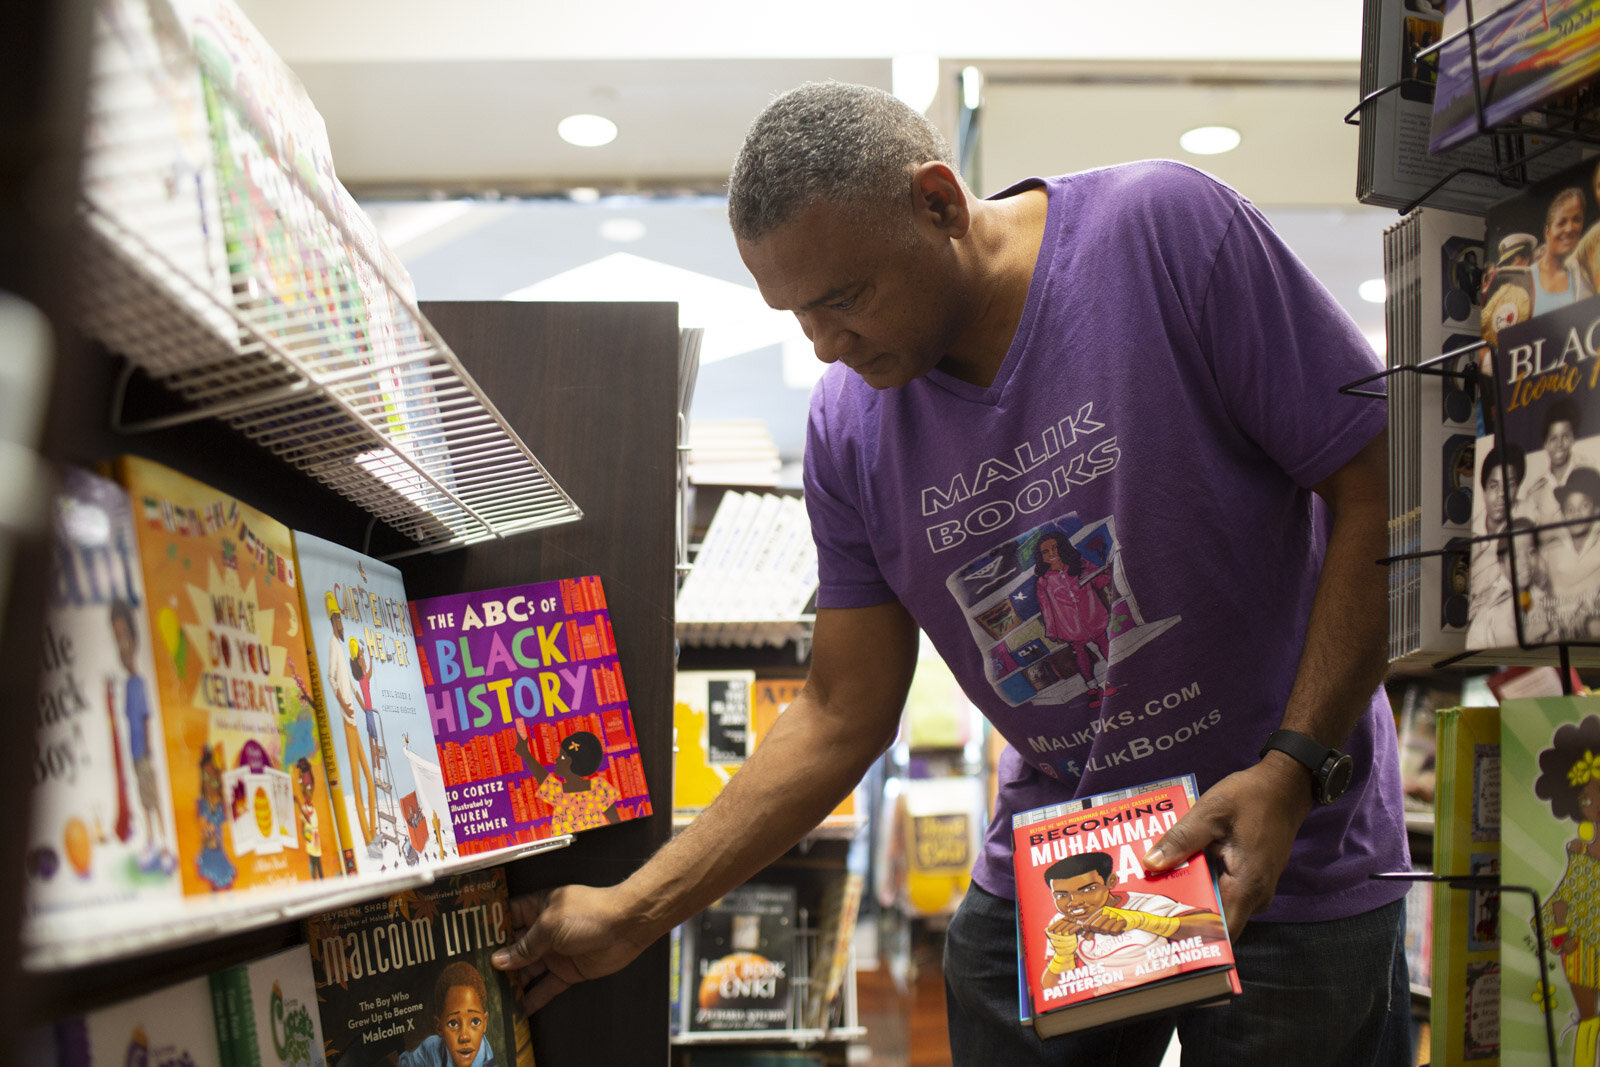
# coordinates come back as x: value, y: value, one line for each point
x: 422, y: 99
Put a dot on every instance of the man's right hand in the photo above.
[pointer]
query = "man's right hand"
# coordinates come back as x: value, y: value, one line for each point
x: 569, y: 934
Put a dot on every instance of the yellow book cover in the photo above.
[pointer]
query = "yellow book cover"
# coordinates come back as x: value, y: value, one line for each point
x: 711, y: 724
x: 1465, y: 1003
x: 248, y: 785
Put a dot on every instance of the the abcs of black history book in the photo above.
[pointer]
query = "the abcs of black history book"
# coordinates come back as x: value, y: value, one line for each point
x: 406, y: 980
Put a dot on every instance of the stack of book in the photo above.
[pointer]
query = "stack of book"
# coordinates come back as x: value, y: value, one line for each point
x: 1433, y: 270
x: 754, y: 576
x: 732, y: 452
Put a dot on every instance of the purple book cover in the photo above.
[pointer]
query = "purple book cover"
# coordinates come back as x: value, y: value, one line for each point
x: 529, y: 712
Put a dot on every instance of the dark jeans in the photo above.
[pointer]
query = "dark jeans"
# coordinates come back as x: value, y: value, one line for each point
x: 1333, y: 993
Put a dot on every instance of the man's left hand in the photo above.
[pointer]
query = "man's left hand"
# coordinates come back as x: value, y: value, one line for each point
x: 1246, y: 823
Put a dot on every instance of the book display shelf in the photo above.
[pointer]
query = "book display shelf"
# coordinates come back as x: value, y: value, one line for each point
x: 1500, y: 158
x: 431, y: 443
x: 821, y: 997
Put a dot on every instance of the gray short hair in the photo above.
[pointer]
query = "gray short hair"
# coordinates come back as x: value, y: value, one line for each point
x: 848, y: 144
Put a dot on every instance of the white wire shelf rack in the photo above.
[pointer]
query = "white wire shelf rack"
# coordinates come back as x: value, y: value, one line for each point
x: 82, y: 937
x: 261, y: 295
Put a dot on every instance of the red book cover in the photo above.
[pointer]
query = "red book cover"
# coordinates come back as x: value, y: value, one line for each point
x: 514, y: 694
x: 1101, y: 940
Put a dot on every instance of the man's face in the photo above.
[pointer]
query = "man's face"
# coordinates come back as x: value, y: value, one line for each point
x: 1081, y: 895
x: 1558, y: 443
x: 125, y: 643
x: 884, y: 304
x: 1495, y: 493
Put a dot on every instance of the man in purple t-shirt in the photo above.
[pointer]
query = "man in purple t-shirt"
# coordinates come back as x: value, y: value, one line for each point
x: 1116, y: 385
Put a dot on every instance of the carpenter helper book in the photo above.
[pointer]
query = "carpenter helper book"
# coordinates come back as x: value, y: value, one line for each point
x: 223, y: 601
x: 529, y: 713
x: 405, y: 981
x: 1101, y: 940
x: 102, y: 829
x: 384, y: 778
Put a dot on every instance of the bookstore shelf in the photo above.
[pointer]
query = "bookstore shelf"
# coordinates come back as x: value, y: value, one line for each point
x: 313, y: 347
x: 79, y: 938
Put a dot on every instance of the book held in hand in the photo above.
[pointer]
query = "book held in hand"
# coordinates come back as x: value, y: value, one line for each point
x: 530, y: 717
x: 406, y: 980
x: 1101, y: 940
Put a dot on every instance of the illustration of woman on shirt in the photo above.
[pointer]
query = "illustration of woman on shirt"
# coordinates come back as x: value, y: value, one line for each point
x: 1569, y: 780
x: 577, y: 799
x: 1074, y: 611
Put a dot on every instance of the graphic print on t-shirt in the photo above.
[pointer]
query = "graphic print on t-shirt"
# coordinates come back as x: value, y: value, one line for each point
x: 1051, y: 610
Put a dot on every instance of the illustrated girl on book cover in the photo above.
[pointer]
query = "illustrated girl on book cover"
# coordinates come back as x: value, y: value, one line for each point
x: 578, y: 800
x: 1569, y: 781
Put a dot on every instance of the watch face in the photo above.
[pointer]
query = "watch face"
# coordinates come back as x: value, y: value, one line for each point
x: 1335, y: 777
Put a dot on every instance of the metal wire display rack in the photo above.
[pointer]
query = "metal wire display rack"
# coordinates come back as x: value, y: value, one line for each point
x: 245, y: 280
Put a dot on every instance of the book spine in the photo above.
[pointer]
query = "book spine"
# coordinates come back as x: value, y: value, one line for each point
x: 330, y: 758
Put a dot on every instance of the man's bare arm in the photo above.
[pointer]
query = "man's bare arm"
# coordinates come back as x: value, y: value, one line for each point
x: 843, y: 719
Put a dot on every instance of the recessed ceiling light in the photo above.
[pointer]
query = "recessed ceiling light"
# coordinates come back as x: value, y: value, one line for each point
x: 587, y: 131
x: 583, y: 194
x: 1372, y: 290
x: 622, y: 230
x: 1209, y: 140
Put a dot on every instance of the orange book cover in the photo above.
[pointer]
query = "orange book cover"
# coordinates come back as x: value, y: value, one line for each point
x: 248, y: 785
x: 1101, y: 940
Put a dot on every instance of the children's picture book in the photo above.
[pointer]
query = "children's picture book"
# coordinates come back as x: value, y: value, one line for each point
x: 1465, y: 1002
x: 372, y: 707
x: 102, y: 833
x: 172, y: 1027
x: 266, y: 1012
x: 711, y: 723
x: 1550, y: 787
x: 744, y: 954
x: 1518, y: 56
x: 1100, y: 940
x: 223, y: 601
x: 530, y: 716
x: 405, y: 981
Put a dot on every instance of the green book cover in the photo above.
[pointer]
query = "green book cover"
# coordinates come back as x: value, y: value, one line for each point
x: 1550, y: 779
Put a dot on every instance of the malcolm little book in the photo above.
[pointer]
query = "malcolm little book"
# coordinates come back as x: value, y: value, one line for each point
x: 405, y: 981
x: 525, y: 693
x: 223, y: 602
x: 383, y: 773
x: 1101, y: 941
x: 102, y: 829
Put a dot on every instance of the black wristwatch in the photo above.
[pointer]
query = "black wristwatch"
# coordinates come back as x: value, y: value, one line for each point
x: 1330, y: 769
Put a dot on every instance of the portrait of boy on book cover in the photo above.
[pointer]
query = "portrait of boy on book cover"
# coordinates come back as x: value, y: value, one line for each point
x: 1105, y: 938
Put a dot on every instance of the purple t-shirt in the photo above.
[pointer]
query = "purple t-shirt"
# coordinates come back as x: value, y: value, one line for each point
x: 1151, y: 437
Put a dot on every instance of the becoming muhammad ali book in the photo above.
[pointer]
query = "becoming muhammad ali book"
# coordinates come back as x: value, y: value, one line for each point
x: 1100, y: 940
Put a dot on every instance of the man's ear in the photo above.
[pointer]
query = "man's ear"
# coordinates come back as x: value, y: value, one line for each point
x: 940, y: 200
x: 1111, y: 880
